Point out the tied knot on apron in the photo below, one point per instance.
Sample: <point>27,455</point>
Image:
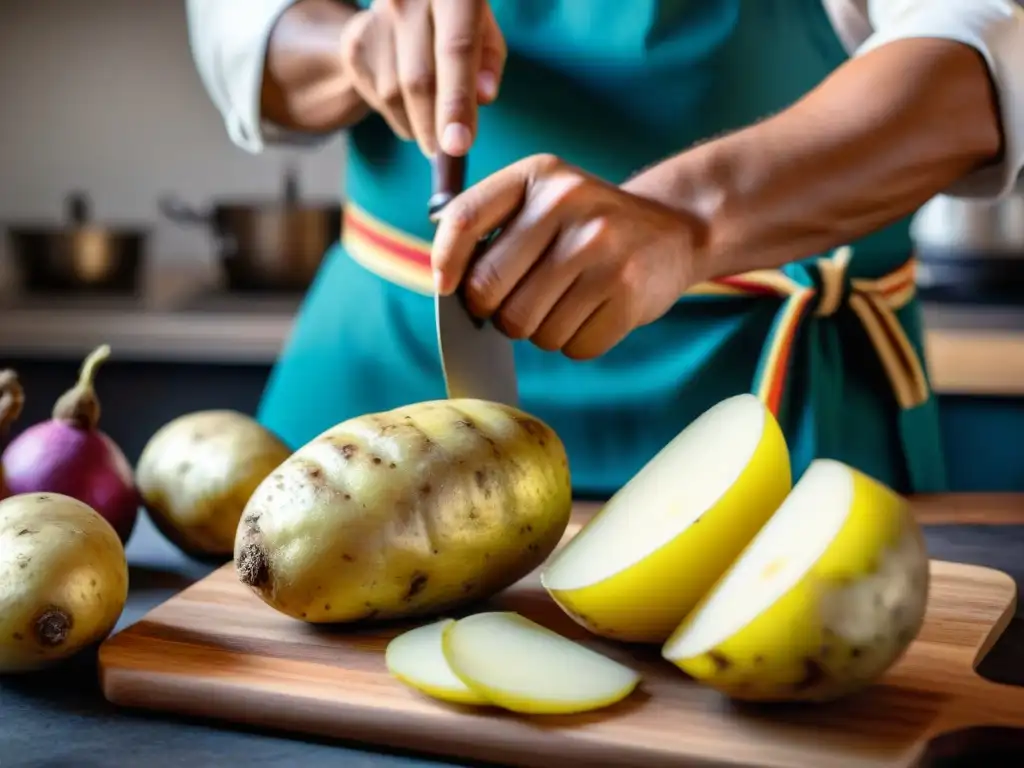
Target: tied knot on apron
<point>821,293</point>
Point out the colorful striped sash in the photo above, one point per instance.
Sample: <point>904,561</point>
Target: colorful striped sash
<point>405,260</point>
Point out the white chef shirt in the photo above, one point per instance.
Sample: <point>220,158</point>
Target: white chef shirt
<point>229,39</point>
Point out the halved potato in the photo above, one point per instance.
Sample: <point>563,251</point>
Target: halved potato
<point>827,597</point>
<point>640,566</point>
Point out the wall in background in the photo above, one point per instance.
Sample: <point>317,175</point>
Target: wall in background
<point>103,96</point>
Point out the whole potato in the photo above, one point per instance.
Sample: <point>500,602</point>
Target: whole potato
<point>406,513</point>
<point>197,472</point>
<point>63,579</point>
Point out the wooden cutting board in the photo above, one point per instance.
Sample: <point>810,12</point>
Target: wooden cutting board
<point>216,651</point>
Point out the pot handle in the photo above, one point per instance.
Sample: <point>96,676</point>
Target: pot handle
<point>291,186</point>
<point>76,207</point>
<point>181,212</point>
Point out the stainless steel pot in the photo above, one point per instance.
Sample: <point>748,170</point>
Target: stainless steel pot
<point>971,251</point>
<point>79,255</point>
<point>266,245</point>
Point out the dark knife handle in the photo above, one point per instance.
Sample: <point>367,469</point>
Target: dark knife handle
<point>449,179</point>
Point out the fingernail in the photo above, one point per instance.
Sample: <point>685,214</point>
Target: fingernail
<point>456,139</point>
<point>487,84</point>
<point>438,281</point>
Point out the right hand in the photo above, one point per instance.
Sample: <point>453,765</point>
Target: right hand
<point>425,65</point>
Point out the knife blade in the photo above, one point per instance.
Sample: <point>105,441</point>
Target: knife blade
<point>478,361</point>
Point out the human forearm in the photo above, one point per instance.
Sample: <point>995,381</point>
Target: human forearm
<point>305,86</point>
<point>886,132</point>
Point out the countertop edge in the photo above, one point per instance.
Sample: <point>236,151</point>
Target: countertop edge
<point>970,351</point>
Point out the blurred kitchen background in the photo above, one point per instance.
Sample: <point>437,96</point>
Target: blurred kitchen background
<point>102,117</point>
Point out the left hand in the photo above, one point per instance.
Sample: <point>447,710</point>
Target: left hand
<point>578,264</point>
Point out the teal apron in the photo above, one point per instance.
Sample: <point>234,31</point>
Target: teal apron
<point>614,87</point>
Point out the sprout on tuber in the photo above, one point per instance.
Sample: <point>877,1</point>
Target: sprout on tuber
<point>70,455</point>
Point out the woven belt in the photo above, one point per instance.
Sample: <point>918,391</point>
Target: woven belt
<point>405,260</point>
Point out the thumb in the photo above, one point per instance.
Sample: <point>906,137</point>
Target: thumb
<point>493,53</point>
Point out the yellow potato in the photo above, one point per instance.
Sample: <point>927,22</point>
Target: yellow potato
<point>523,667</point>
<point>826,598</point>
<point>197,473</point>
<point>416,659</point>
<point>404,513</point>
<point>63,579</point>
<point>641,565</point>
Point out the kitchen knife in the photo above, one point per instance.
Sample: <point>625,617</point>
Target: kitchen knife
<point>477,360</point>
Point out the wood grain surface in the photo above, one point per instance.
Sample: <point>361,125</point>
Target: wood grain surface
<point>216,651</point>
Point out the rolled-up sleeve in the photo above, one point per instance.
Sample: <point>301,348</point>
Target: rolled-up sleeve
<point>228,39</point>
<point>995,28</point>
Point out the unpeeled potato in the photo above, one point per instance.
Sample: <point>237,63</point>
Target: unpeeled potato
<point>63,579</point>
<point>197,473</point>
<point>406,513</point>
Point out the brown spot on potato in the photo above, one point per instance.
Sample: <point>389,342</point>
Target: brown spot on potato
<point>525,529</point>
<point>468,586</point>
<point>392,465</point>
<point>856,652</point>
<point>720,661</point>
<point>347,558</point>
<point>426,488</point>
<point>417,584</point>
<point>465,424</point>
<point>758,659</point>
<point>26,532</point>
<point>377,460</point>
<point>184,468</point>
<point>327,606</point>
<point>252,566</point>
<point>52,625</point>
<point>348,497</point>
<point>18,636</point>
<point>814,675</point>
<point>348,450</point>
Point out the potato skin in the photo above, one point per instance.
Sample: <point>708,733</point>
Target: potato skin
<point>197,472</point>
<point>63,579</point>
<point>406,513</point>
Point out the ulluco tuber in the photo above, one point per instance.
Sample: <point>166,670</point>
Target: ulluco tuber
<point>68,454</point>
<point>12,400</point>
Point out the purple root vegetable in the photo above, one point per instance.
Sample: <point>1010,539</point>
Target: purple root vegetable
<point>70,455</point>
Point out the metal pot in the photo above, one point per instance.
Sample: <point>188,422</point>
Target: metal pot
<point>275,245</point>
<point>79,256</point>
<point>971,251</point>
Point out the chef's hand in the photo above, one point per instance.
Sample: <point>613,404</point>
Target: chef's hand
<point>578,264</point>
<point>424,65</point>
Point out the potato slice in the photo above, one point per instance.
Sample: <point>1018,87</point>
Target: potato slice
<point>524,667</point>
<point>640,566</point>
<point>415,658</point>
<point>826,598</point>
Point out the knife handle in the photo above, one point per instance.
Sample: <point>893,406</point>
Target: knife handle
<point>449,179</point>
